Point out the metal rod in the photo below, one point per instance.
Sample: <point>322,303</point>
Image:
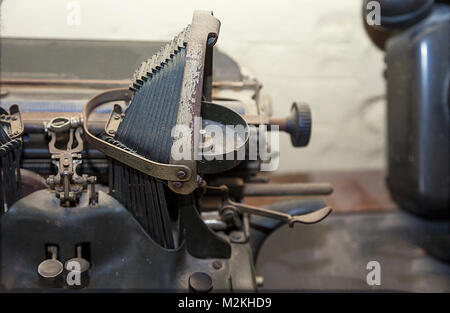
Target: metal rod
<point>34,121</point>
<point>287,189</point>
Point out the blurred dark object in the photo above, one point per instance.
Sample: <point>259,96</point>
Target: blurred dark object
<point>418,115</point>
<point>395,15</point>
<point>415,35</point>
<point>402,13</point>
<point>23,58</point>
<point>332,256</point>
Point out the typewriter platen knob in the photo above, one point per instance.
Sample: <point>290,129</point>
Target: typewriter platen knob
<point>298,124</point>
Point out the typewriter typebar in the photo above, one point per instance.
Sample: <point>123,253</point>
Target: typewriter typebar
<point>166,90</point>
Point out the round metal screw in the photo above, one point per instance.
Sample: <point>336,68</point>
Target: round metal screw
<point>177,184</point>
<point>181,174</point>
<point>111,132</point>
<point>217,264</point>
<point>200,282</point>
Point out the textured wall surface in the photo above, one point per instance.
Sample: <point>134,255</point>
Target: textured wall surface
<point>310,50</point>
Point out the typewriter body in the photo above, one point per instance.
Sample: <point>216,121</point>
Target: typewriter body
<point>112,185</point>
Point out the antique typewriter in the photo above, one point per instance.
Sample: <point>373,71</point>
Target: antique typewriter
<point>141,187</point>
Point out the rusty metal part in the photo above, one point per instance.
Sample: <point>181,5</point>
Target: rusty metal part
<point>227,205</point>
<point>115,118</point>
<point>93,195</point>
<point>67,184</point>
<point>308,218</point>
<point>14,122</point>
<point>66,162</point>
<point>35,122</point>
<point>231,216</point>
<point>204,31</point>
<point>287,189</point>
<point>155,169</point>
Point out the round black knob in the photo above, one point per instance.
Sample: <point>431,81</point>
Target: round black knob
<point>298,124</point>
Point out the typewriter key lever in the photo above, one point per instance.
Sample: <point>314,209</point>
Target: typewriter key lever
<point>50,268</point>
<point>307,218</point>
<point>82,263</point>
<point>311,217</point>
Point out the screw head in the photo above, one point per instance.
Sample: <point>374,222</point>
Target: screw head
<point>200,282</point>
<point>111,132</point>
<point>181,174</point>
<point>177,184</point>
<point>217,264</point>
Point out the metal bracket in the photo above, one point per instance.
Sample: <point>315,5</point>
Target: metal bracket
<point>67,184</point>
<point>168,172</point>
<point>308,218</point>
<point>14,121</point>
<point>114,120</point>
<point>204,32</point>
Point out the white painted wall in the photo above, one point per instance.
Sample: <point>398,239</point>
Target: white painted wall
<point>310,50</point>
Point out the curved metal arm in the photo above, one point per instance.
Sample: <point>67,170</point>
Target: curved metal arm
<point>149,167</point>
<point>261,227</point>
<point>305,218</point>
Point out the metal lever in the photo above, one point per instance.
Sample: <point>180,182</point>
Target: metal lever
<point>308,218</point>
<point>50,268</point>
<point>83,263</point>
